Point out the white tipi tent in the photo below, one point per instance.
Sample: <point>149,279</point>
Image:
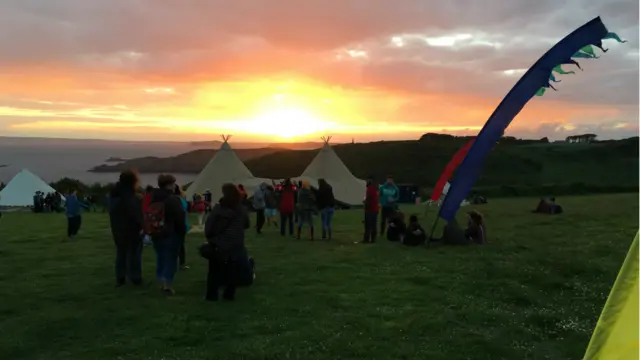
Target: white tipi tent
<point>327,165</point>
<point>20,190</point>
<point>224,167</point>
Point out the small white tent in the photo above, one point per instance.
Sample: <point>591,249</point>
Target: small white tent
<point>224,167</point>
<point>20,190</point>
<point>327,165</point>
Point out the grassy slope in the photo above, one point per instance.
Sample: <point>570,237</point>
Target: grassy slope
<point>508,164</point>
<point>535,292</point>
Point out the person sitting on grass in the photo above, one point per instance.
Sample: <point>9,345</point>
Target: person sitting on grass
<point>548,206</point>
<point>475,228</point>
<point>454,235</point>
<point>397,226</point>
<point>415,234</point>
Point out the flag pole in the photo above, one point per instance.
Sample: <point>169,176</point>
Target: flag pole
<point>433,228</point>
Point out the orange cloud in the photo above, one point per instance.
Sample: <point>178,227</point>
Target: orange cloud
<point>281,70</point>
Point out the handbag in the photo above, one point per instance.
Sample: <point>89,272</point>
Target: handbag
<point>208,250</point>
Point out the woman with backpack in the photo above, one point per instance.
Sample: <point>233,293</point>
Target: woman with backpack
<point>224,230</point>
<point>165,223</point>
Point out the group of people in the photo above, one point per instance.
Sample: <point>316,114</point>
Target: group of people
<point>161,214</point>
<point>298,206</point>
<point>383,200</point>
<point>44,203</point>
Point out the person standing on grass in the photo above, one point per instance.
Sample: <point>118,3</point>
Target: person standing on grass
<point>287,204</point>
<point>271,206</point>
<point>165,222</point>
<point>326,205</point>
<point>389,195</point>
<point>259,204</point>
<point>371,206</point>
<point>146,201</point>
<point>126,219</point>
<point>306,207</point>
<point>224,230</point>
<point>200,207</point>
<point>73,212</point>
<point>296,187</point>
<point>182,254</point>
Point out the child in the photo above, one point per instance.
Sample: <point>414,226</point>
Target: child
<point>415,234</point>
<point>201,207</point>
<point>397,227</point>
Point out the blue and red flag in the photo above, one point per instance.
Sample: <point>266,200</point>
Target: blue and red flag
<point>578,44</point>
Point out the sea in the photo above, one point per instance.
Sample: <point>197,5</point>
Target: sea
<point>54,160</point>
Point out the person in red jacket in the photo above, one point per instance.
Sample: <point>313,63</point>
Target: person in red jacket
<point>371,207</point>
<point>200,206</point>
<point>287,206</point>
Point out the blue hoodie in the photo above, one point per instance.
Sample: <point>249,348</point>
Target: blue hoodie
<point>185,206</point>
<point>74,205</point>
<point>388,191</point>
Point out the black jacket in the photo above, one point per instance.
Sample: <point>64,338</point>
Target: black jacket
<point>125,215</point>
<point>324,197</point>
<point>174,216</point>
<point>225,228</point>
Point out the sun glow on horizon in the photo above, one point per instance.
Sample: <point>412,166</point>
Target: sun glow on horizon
<point>286,123</point>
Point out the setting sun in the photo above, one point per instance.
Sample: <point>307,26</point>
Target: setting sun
<point>287,123</point>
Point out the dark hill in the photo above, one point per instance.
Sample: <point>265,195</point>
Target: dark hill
<point>512,166</point>
<point>190,162</point>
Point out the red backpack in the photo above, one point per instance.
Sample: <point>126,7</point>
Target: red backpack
<point>154,219</point>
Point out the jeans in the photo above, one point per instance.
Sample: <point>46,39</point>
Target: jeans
<point>166,257</point>
<point>370,226</point>
<point>73,225</point>
<point>259,220</point>
<point>129,261</point>
<point>326,215</point>
<point>283,220</point>
<point>305,217</point>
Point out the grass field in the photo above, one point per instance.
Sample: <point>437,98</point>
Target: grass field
<point>535,292</point>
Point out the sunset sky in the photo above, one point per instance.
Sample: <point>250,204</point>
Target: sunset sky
<point>288,70</point>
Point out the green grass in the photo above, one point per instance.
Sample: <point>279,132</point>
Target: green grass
<point>535,292</point>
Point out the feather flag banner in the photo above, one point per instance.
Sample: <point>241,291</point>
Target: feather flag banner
<point>534,82</point>
<point>449,169</point>
<point>616,333</point>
